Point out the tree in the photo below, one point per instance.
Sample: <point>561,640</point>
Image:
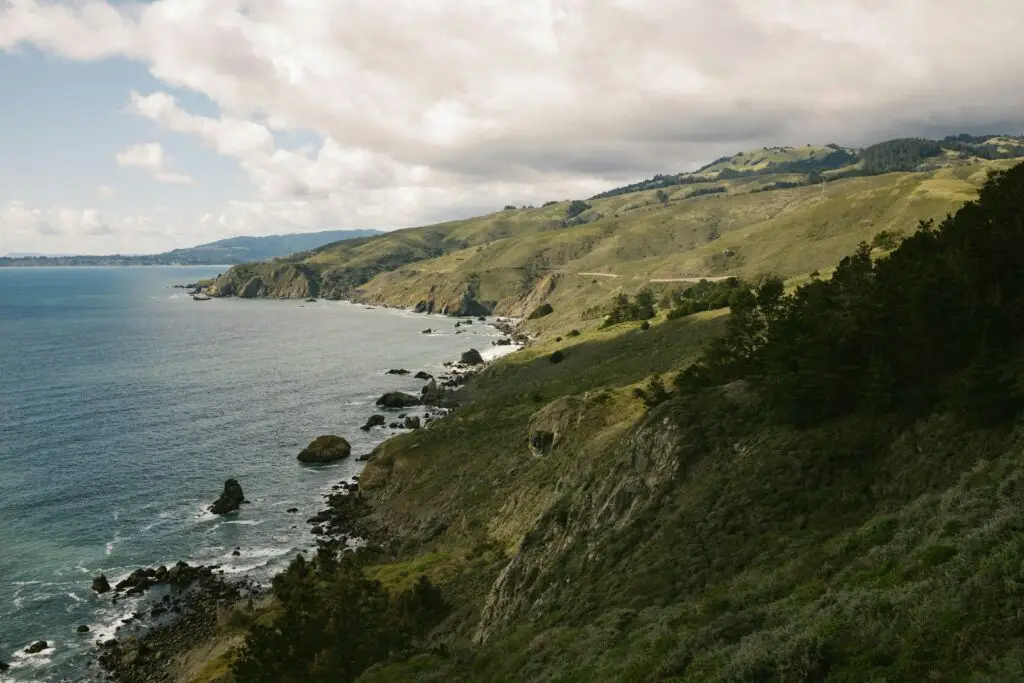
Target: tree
<point>662,197</point>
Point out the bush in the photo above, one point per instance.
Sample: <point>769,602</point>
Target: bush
<point>641,307</point>
<point>334,623</point>
<point>541,311</point>
<point>645,325</point>
<point>557,357</point>
<point>574,333</point>
<point>575,208</point>
<point>703,296</point>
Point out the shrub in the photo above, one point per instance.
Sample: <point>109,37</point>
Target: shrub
<point>557,357</point>
<point>575,208</point>
<point>641,307</point>
<point>541,311</point>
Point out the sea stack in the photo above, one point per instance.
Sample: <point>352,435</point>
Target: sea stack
<point>230,499</point>
<point>327,448</point>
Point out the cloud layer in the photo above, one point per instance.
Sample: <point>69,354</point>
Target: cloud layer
<point>424,110</point>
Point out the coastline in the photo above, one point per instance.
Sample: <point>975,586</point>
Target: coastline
<point>163,641</point>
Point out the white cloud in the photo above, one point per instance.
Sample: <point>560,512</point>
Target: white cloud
<point>151,158</point>
<point>439,109</point>
<point>105,191</point>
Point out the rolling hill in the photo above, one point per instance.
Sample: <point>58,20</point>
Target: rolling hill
<point>779,210</point>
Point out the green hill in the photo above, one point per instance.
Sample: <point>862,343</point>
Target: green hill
<point>232,250</point>
<point>824,484</point>
<point>756,220</point>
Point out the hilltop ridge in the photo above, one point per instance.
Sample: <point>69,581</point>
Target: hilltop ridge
<point>779,209</point>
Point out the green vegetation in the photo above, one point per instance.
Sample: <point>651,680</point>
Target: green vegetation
<point>623,309</point>
<point>935,323</point>
<point>831,491</point>
<point>703,296</point>
<point>332,623</point>
<point>541,311</point>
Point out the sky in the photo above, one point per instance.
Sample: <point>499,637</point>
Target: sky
<point>137,127</point>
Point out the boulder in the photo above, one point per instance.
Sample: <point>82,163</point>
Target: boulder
<point>37,647</point>
<point>100,584</point>
<point>82,629</point>
<point>471,357</point>
<point>373,421</point>
<point>426,331</point>
<point>326,448</point>
<point>292,510</point>
<point>4,666</point>
<point>412,422</point>
<point>230,499</point>
<point>430,393</point>
<point>397,399</point>
<point>397,371</point>
<point>423,375</point>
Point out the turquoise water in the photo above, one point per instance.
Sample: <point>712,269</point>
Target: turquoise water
<point>124,405</point>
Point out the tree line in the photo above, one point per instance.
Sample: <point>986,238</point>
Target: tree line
<point>935,324</point>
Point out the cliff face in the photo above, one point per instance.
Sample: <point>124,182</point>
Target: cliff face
<point>288,281</point>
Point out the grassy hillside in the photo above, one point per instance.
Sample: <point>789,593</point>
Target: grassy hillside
<point>705,536</point>
<point>509,261</point>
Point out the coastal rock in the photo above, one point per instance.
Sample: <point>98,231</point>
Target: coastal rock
<point>326,448</point>
<point>82,629</point>
<point>100,584</point>
<point>4,666</point>
<point>431,395</point>
<point>426,331</point>
<point>230,499</point>
<point>412,422</point>
<point>471,357</point>
<point>292,510</point>
<point>397,371</point>
<point>423,375</point>
<point>37,647</point>
<point>251,289</point>
<point>397,399</point>
<point>373,421</point>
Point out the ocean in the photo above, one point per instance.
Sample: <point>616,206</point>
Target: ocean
<point>124,405</point>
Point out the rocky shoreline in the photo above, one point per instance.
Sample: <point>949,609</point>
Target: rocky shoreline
<point>175,624</point>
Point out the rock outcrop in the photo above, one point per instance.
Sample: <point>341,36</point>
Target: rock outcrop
<point>471,357</point>
<point>373,421</point>
<point>397,399</point>
<point>100,584</point>
<point>230,500</point>
<point>324,449</point>
<point>37,647</point>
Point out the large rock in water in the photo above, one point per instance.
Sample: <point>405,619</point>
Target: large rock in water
<point>230,499</point>
<point>100,584</point>
<point>36,647</point>
<point>327,448</point>
<point>472,357</point>
<point>397,399</point>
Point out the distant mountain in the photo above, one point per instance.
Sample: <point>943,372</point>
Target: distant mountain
<point>222,252</point>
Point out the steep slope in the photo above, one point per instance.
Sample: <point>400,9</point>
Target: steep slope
<point>583,525</point>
